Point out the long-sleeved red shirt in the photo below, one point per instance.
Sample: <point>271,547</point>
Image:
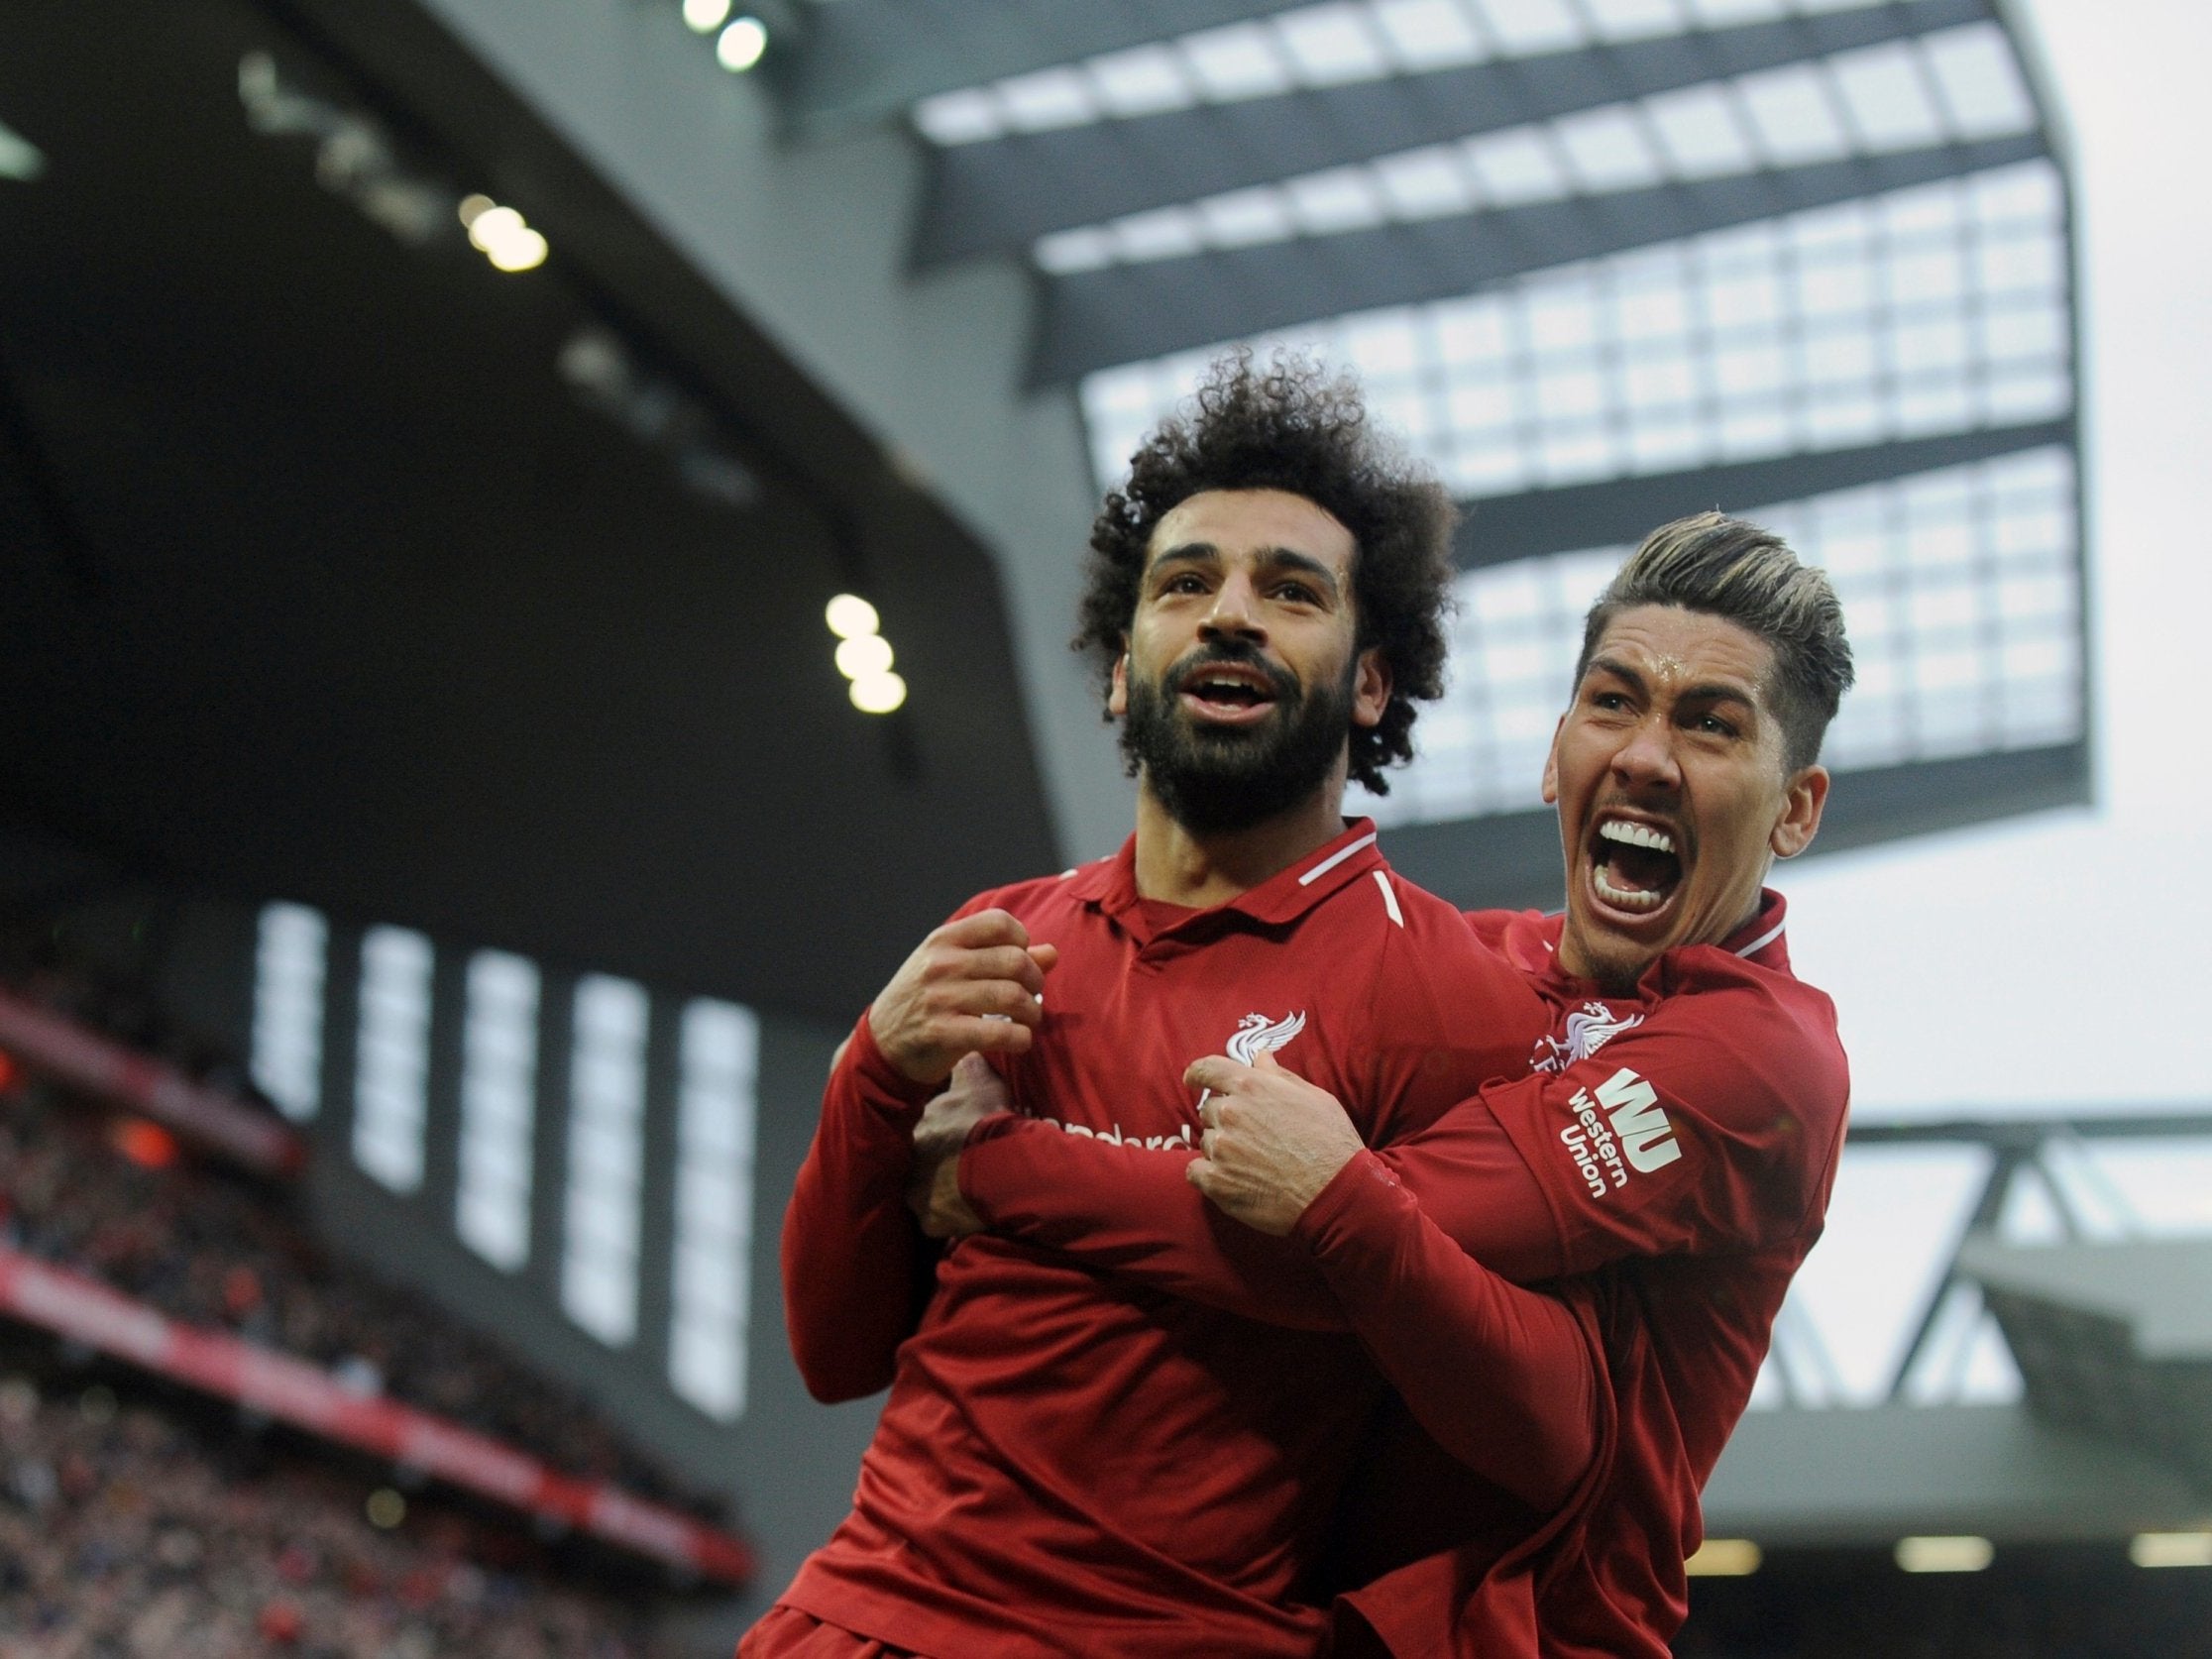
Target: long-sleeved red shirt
<point>1672,1150</point>
<point>1070,1463</point>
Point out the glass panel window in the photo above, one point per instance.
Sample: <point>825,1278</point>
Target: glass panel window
<point>391,1064</point>
<point>499,1107</point>
<point>289,964</point>
<point>606,1121</point>
<point>1959,589</point>
<point>715,1113</point>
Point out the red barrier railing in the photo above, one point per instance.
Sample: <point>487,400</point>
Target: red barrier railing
<point>44,1041</point>
<point>295,1392</point>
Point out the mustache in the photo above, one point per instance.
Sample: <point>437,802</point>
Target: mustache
<point>1233,653</point>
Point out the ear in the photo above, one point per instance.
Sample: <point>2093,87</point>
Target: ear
<point>1117,695</point>
<point>1551,765</point>
<point>1370,691</point>
<point>1802,802</point>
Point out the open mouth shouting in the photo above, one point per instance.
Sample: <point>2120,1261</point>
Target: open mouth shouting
<point>1228,693</point>
<point>1635,869</point>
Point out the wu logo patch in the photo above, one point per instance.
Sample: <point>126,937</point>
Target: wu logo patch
<point>1624,1128</point>
<point>1645,1134</point>
<point>1589,1029</point>
<point>1257,1035</point>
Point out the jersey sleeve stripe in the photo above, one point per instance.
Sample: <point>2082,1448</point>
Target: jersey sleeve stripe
<point>1389,898</point>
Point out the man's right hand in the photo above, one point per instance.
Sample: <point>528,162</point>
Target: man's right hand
<point>973,986</point>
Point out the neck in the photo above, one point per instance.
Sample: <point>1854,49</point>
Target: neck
<point>1179,866</point>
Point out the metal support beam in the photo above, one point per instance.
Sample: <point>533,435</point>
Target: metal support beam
<point>1002,194</point>
<point>1502,528</point>
<point>865,60</point>
<point>1989,1207</point>
<point>1125,314</point>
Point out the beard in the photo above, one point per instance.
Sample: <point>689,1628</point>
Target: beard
<point>1214,780</point>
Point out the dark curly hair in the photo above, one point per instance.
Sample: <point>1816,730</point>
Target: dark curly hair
<point>1287,425</point>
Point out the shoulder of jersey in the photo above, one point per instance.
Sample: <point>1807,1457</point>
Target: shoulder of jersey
<point>1036,893</point>
<point>1415,909</point>
<point>1766,1012</point>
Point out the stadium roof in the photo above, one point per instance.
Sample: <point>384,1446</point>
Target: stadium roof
<point>1604,262</point>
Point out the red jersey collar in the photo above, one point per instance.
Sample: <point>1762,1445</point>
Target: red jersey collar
<point>1761,941</point>
<point>1111,883</point>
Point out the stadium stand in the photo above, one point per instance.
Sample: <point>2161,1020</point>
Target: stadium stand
<point>136,1525</point>
<point>124,1239</point>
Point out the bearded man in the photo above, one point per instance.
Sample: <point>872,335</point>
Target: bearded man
<point>1072,1465</point>
<point>1665,1151</point>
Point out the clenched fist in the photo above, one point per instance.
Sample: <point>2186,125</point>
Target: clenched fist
<point>973,986</point>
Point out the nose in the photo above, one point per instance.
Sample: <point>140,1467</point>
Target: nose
<point>1647,760</point>
<point>1235,611</point>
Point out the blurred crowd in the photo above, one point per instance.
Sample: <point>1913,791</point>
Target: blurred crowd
<point>115,1199</point>
<point>126,1533</point>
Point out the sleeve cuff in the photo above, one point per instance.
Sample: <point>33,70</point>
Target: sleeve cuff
<point>1354,1191</point>
<point>883,1085</point>
<point>975,1162</point>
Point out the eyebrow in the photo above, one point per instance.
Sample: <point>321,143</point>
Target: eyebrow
<point>1270,557</point>
<point>1711,691</point>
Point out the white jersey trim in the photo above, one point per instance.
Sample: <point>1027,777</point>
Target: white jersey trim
<point>1389,898</point>
<point>1763,941</point>
<point>1335,859</point>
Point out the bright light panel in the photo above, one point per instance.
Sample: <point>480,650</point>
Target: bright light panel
<point>1944,1555</point>
<point>606,1156</point>
<point>850,616</point>
<point>863,656</point>
<point>741,44</point>
<point>526,249</point>
<point>878,694</point>
<point>503,236</point>
<point>1724,1558</point>
<point>499,1107</point>
<point>288,1008</point>
<point>391,1069</point>
<point>2171,1549</point>
<point>712,1269</point>
<point>706,16</point>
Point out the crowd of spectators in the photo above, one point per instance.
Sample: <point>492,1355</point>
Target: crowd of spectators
<point>115,1199</point>
<point>128,1529</point>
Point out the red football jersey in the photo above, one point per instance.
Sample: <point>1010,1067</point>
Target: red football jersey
<point>1069,1463</point>
<point>1672,1150</point>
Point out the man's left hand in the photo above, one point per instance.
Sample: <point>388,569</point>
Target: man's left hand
<point>1273,1141</point>
<point>934,1186</point>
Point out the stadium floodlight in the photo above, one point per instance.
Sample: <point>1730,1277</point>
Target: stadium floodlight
<point>878,694</point>
<point>864,657</point>
<point>502,237</point>
<point>850,616</point>
<point>2171,1549</point>
<point>1944,1555</point>
<point>740,45</point>
<point>1724,1558</point>
<point>704,17</point>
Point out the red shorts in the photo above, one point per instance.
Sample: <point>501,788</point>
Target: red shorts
<point>787,1634</point>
